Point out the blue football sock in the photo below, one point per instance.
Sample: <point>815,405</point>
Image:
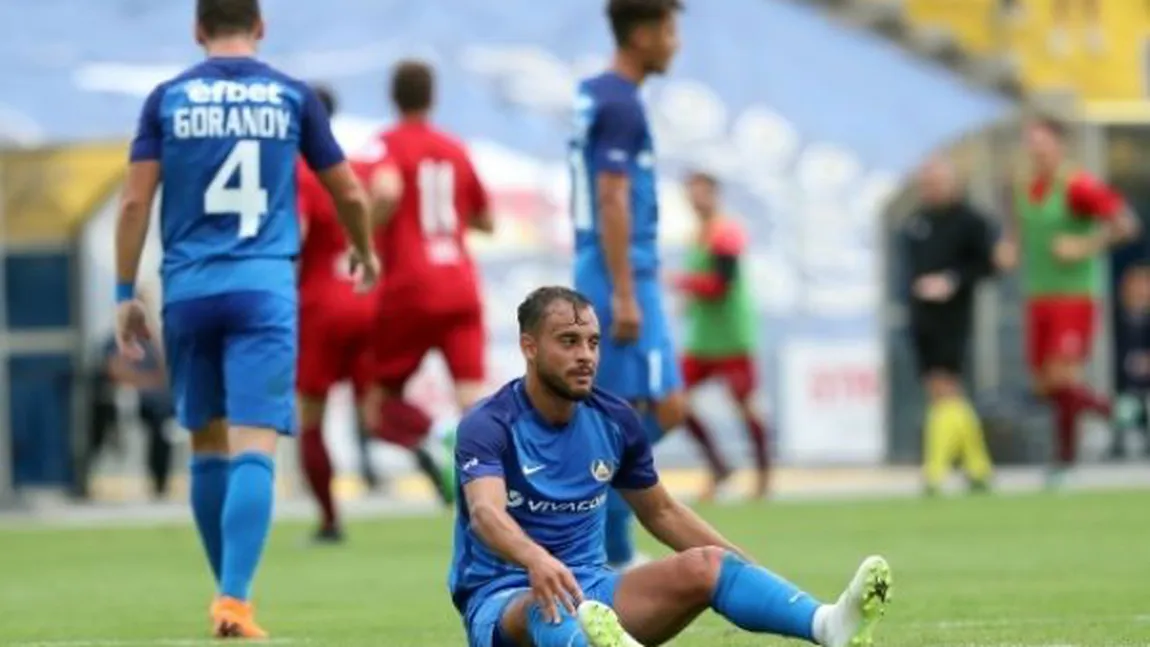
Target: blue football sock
<point>757,600</point>
<point>209,485</point>
<point>246,521</point>
<point>618,539</point>
<point>544,633</point>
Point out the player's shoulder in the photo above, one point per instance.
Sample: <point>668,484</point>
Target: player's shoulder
<point>728,238</point>
<point>260,69</point>
<point>609,87</point>
<point>616,409</point>
<point>423,132</point>
<point>1079,179</point>
<point>497,411</point>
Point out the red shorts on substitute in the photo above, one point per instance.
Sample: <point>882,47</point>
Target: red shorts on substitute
<point>738,372</point>
<point>335,345</point>
<point>1059,328</point>
<point>403,337</point>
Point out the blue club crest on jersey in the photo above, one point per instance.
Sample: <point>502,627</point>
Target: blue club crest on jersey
<point>601,470</point>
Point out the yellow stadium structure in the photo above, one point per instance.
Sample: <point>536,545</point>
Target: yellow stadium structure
<point>1098,48</point>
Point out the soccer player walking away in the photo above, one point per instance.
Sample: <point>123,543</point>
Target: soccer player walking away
<point>426,196</point>
<point>536,461</point>
<point>947,248</point>
<point>721,328</point>
<point>616,216</point>
<point>1065,220</point>
<point>336,324</point>
<point>224,136</point>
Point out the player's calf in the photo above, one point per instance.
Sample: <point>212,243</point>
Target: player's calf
<point>525,622</point>
<point>658,601</point>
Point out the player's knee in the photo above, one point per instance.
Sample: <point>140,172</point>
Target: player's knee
<point>698,571</point>
<point>746,407</point>
<point>672,411</point>
<point>246,440</point>
<point>212,439</point>
<point>1060,372</point>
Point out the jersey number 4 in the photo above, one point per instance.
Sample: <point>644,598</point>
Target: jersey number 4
<point>247,198</point>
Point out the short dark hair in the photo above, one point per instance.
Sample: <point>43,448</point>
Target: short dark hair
<point>626,15</point>
<point>326,98</point>
<point>412,86</point>
<point>227,17</point>
<point>534,308</point>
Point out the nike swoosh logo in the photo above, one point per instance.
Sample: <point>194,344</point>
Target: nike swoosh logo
<point>795,598</point>
<point>528,471</point>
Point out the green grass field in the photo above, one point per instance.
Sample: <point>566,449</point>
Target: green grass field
<point>1024,570</point>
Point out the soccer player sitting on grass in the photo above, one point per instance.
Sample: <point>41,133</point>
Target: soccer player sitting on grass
<point>535,461</point>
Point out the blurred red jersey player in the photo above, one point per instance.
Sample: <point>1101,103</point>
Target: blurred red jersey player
<point>426,196</point>
<point>336,325</point>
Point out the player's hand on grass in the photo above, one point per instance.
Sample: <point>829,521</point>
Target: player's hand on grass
<point>937,287</point>
<point>626,317</point>
<point>552,584</point>
<point>365,269</point>
<point>132,329</point>
<point>1070,249</point>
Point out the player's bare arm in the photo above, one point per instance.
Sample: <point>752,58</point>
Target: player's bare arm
<point>614,195</point>
<point>550,579</point>
<point>386,190</point>
<point>352,208</point>
<point>1123,228</point>
<point>672,523</point>
<point>131,232</point>
<point>1119,228</point>
<point>135,213</point>
<point>482,221</point>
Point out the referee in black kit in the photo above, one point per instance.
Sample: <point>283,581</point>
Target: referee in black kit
<point>948,249</point>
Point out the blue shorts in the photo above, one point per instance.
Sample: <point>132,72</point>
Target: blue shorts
<point>646,369</point>
<point>233,356</point>
<point>486,608</point>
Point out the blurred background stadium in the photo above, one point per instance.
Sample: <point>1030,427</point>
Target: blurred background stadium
<point>813,113</point>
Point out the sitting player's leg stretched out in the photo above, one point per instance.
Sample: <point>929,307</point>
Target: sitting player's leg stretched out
<point>536,461</point>
<point>231,309</point>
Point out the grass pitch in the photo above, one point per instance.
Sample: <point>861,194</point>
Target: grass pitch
<point>1034,570</point>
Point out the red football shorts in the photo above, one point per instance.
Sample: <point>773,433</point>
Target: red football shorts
<point>738,373</point>
<point>335,345</point>
<point>1058,328</point>
<point>403,337</point>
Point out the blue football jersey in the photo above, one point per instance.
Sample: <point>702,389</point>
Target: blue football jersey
<point>556,477</point>
<point>612,135</point>
<point>227,134</point>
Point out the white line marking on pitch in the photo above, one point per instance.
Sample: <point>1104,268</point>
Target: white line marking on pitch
<point>164,642</point>
<point>975,623</point>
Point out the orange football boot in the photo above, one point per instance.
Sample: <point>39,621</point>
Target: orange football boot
<point>232,618</point>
